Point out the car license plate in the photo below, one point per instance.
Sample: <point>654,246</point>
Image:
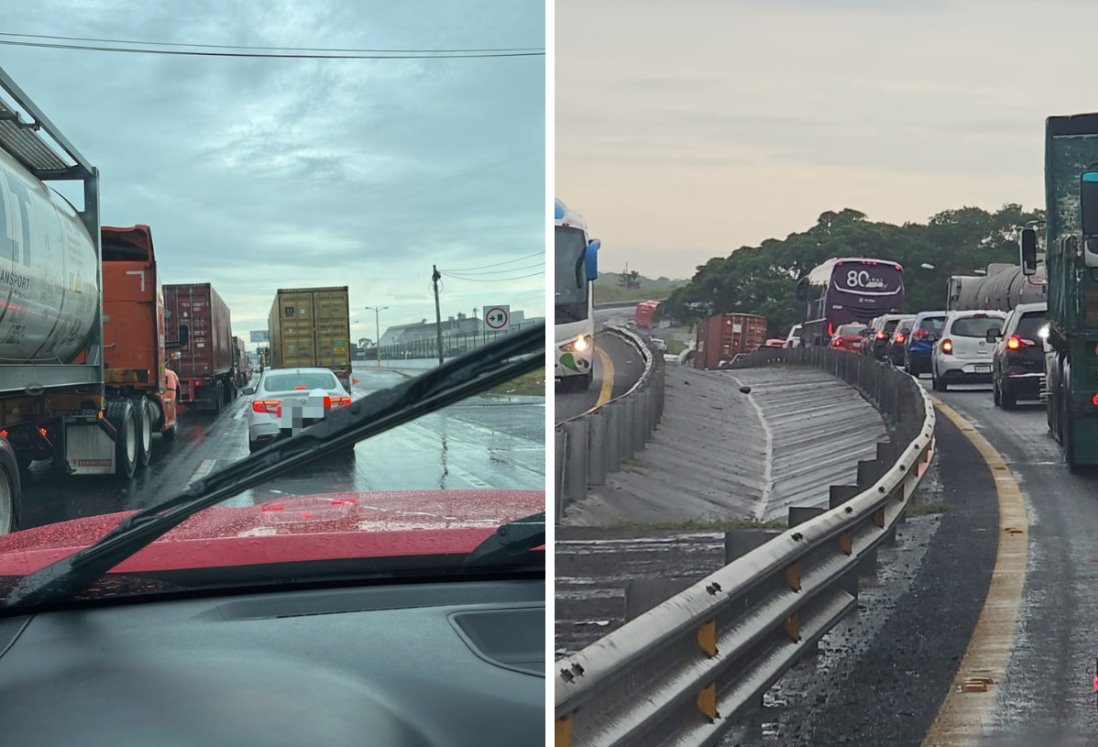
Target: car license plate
<point>983,368</point>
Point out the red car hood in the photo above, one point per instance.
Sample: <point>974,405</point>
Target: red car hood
<point>298,528</point>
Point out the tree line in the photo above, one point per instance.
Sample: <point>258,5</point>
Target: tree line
<point>763,279</point>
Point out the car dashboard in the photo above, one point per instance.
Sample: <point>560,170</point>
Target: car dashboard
<point>416,665</point>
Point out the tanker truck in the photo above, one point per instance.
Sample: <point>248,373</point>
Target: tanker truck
<point>54,398</point>
<point>1001,289</point>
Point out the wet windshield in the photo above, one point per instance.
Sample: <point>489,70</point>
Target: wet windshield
<point>571,288</point>
<point>367,215</point>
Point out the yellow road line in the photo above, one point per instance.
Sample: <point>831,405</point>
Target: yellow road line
<point>966,712</point>
<point>607,390</point>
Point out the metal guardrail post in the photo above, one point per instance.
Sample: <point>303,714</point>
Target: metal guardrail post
<point>597,448</point>
<point>575,478</point>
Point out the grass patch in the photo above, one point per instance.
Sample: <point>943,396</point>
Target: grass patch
<point>605,293</point>
<point>707,525</point>
<point>532,383</point>
<point>925,508</point>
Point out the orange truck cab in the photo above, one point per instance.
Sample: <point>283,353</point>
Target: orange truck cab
<point>135,351</point>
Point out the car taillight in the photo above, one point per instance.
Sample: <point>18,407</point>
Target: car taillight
<point>1014,342</point>
<point>838,343</point>
<point>899,337</point>
<point>333,402</point>
<point>271,406</point>
<point>919,334</point>
<point>880,334</point>
<point>947,346</point>
<point>300,387</point>
<point>1094,399</point>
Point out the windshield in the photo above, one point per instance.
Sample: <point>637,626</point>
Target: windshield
<point>572,289</point>
<point>364,220</point>
<point>284,382</point>
<point>932,323</point>
<point>851,330</point>
<point>1029,326</point>
<point>974,326</point>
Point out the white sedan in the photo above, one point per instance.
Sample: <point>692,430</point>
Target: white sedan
<point>290,399</point>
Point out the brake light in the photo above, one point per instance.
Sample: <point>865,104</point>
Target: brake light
<point>880,334</point>
<point>1014,342</point>
<point>899,337</point>
<point>3,434</point>
<point>838,343</point>
<point>830,329</point>
<point>300,387</point>
<point>334,402</point>
<point>947,346</point>
<point>270,406</point>
<point>1094,399</point>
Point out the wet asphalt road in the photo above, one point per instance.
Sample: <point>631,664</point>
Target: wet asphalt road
<point>628,366</point>
<point>482,442</point>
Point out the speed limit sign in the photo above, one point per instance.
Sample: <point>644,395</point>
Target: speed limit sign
<point>497,318</point>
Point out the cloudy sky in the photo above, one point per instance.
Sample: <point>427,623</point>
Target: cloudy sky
<point>256,174</point>
<point>686,130</point>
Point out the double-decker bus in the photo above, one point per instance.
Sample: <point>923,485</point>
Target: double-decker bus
<point>576,267</point>
<point>847,291</point>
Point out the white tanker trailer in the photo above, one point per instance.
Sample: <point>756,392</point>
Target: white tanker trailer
<point>53,400</point>
<point>1001,289</point>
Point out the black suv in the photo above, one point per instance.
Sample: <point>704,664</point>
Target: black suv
<point>1018,361</point>
<point>895,349</point>
<point>880,334</point>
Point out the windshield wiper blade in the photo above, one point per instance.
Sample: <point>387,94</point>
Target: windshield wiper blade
<point>471,374</point>
<point>510,541</point>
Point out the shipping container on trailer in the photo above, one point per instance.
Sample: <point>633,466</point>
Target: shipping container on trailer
<point>205,364</point>
<point>311,327</point>
<point>645,314</point>
<point>242,367</point>
<point>722,337</point>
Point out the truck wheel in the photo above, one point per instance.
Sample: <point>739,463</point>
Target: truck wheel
<point>9,489</point>
<point>120,414</point>
<point>144,417</point>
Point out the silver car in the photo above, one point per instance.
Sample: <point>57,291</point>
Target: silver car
<point>289,399</point>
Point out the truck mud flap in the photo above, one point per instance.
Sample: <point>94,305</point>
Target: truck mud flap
<point>89,446</point>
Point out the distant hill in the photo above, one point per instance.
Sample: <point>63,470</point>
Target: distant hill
<point>609,287</point>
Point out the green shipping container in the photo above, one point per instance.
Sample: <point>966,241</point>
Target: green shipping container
<point>310,327</point>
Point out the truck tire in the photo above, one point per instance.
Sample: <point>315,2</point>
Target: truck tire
<point>120,414</point>
<point>9,489</point>
<point>145,417</point>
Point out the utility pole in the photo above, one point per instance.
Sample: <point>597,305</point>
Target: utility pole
<point>377,329</point>
<point>435,277</point>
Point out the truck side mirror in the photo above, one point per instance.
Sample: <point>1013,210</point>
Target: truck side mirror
<point>1028,245</point>
<point>1088,213</point>
<point>591,259</point>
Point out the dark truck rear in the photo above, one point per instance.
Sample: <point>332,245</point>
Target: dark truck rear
<point>205,363</point>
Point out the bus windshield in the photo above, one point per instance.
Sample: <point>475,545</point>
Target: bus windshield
<point>572,289</point>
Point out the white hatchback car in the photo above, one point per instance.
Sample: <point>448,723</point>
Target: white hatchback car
<point>289,399</point>
<point>962,354</point>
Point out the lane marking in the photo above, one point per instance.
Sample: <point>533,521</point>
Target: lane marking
<point>607,390</point>
<point>768,468</point>
<point>203,469</point>
<point>242,413</point>
<point>966,713</point>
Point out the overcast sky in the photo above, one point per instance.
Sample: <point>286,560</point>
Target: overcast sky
<point>256,174</point>
<point>686,130</point>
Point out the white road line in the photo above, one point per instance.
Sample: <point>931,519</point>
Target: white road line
<point>204,468</point>
<point>240,414</point>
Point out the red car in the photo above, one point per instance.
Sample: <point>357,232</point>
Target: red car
<point>850,337</point>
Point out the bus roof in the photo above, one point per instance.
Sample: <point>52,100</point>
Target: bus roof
<point>566,216</point>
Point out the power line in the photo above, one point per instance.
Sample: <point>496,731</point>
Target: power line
<point>253,48</point>
<point>495,272</point>
<point>497,264</point>
<point>436,55</point>
<point>495,280</point>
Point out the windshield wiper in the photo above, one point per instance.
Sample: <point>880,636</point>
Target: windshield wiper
<point>512,540</point>
<point>471,374</point>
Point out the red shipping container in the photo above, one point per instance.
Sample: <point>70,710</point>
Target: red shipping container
<point>722,337</point>
<point>205,363</point>
<point>644,313</point>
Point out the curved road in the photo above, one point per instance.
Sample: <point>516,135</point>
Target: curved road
<point>617,367</point>
<point>481,442</point>
<point>883,673</point>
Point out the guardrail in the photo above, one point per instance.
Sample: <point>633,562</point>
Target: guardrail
<point>681,672</point>
<point>593,444</point>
